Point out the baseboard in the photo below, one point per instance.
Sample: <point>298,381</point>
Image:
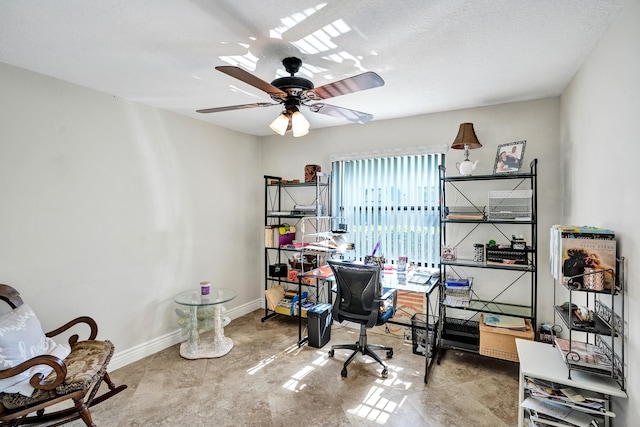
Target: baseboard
<point>125,357</point>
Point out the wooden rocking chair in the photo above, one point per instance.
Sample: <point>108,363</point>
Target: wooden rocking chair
<point>77,377</point>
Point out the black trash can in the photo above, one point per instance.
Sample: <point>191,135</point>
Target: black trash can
<point>319,323</point>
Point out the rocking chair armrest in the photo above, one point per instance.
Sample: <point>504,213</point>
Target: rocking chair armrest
<point>74,338</point>
<point>58,366</point>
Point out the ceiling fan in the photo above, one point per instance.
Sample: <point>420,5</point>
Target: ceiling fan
<point>293,92</point>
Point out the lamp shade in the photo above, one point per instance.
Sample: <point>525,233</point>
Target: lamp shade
<point>299,124</point>
<point>280,124</point>
<point>466,136</point>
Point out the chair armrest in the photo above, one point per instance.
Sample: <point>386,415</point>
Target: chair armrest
<point>74,338</point>
<point>58,366</point>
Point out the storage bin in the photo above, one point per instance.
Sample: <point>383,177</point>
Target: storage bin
<point>501,342</point>
<point>498,255</point>
<point>278,270</point>
<point>510,205</point>
<point>419,332</point>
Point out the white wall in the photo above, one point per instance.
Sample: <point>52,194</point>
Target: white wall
<point>109,208</point>
<point>537,122</point>
<point>600,152</point>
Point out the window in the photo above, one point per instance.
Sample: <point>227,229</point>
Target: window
<point>393,201</point>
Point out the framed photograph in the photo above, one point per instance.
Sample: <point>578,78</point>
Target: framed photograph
<point>509,157</point>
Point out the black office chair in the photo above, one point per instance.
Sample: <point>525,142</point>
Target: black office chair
<point>359,300</point>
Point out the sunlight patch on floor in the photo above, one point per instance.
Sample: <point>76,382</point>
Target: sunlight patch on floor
<point>375,407</point>
<point>294,383</point>
<point>261,364</point>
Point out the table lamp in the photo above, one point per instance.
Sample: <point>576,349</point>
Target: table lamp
<point>466,140</point>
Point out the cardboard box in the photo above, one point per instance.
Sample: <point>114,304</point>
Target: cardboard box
<point>501,342</point>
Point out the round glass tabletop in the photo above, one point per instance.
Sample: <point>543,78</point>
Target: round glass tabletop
<point>193,297</point>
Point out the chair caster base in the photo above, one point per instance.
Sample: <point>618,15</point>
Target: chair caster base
<point>343,373</point>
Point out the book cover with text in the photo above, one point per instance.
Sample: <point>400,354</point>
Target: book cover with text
<point>589,253</point>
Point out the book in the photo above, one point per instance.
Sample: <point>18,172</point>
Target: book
<point>295,245</point>
<point>583,257</point>
<point>467,216</point>
<point>583,354</point>
<point>502,321</point>
<point>582,254</point>
<point>268,236</point>
<point>465,212</point>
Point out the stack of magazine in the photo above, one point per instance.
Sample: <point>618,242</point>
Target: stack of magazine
<point>551,404</point>
<point>576,251</point>
<point>583,354</point>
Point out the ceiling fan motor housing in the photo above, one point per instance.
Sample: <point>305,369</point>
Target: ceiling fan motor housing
<point>292,85</point>
<point>284,83</point>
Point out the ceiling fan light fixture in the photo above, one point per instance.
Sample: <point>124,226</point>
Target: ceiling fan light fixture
<point>280,124</point>
<point>299,124</point>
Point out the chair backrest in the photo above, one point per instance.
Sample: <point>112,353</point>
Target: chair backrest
<point>358,287</point>
<point>10,296</point>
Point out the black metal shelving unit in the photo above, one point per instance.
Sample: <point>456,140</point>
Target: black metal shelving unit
<point>281,198</point>
<point>462,333</point>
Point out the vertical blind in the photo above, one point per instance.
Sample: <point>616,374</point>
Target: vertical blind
<point>393,201</point>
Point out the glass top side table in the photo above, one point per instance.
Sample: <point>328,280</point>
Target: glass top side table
<point>203,313</point>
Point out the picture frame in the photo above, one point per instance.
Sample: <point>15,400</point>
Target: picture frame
<point>509,157</point>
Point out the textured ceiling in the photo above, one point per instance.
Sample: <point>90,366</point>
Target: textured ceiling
<point>433,55</point>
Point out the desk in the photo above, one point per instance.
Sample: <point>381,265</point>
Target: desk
<point>389,280</point>
<point>543,361</point>
<point>204,313</point>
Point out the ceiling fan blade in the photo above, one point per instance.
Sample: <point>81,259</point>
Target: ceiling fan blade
<point>252,80</point>
<point>341,112</point>
<point>235,107</point>
<point>363,81</point>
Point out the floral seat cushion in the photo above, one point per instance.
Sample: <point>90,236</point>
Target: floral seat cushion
<point>86,364</point>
